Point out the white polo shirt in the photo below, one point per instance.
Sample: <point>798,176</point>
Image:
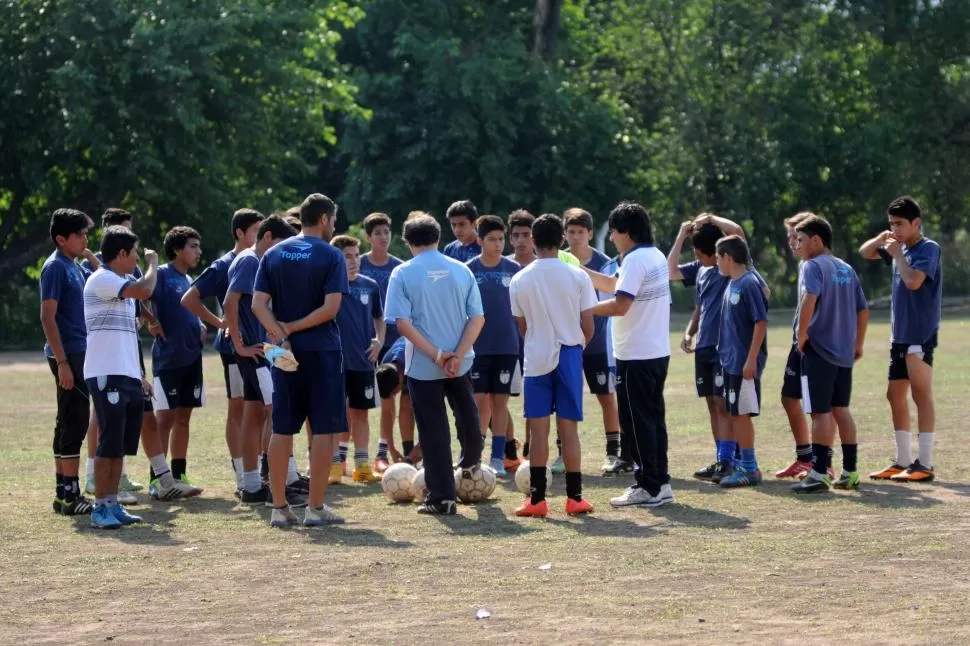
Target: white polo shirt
<point>112,328</point>
<point>644,332</point>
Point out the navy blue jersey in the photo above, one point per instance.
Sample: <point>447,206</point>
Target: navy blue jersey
<point>743,306</point>
<point>462,252</point>
<point>709,284</point>
<point>597,345</point>
<point>382,274</point>
<point>62,280</point>
<point>500,335</point>
<point>916,313</point>
<point>182,344</point>
<point>242,278</point>
<point>358,309</point>
<point>214,281</point>
<point>832,328</point>
<point>395,354</point>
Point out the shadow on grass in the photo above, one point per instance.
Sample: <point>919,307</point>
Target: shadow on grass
<point>155,531</point>
<point>599,525</point>
<point>488,519</point>
<point>884,496</point>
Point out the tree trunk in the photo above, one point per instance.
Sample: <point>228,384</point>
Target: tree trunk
<point>545,27</point>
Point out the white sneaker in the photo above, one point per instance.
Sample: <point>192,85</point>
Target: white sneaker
<point>89,485</point>
<point>322,516</point>
<point>666,494</point>
<point>178,489</point>
<point>283,517</point>
<point>126,498</point>
<point>637,496</point>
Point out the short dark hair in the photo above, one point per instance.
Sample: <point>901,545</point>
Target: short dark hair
<point>115,240</point>
<point>375,220</point>
<point>521,218</point>
<point>816,225</point>
<point>177,238</point>
<point>462,209</point>
<point>735,247</point>
<point>488,223</point>
<point>421,230</point>
<point>278,227</point>
<point>343,241</point>
<point>294,221</point>
<point>905,207</point>
<point>547,231</point>
<point>632,219</point>
<point>794,220</point>
<point>64,222</point>
<point>315,207</point>
<point>578,217</point>
<point>388,378</point>
<point>705,239</point>
<point>114,216</point>
<point>243,219</point>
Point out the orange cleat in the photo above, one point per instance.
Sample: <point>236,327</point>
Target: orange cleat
<point>511,465</point>
<point>577,507</point>
<point>538,510</point>
<point>915,473</point>
<point>888,472</point>
<point>794,469</point>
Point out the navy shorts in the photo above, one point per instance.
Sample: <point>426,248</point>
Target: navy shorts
<point>180,387</point>
<point>257,379</point>
<point>824,385</point>
<point>791,384</point>
<point>119,405</point>
<point>600,378</point>
<point>361,389</point>
<point>742,396</point>
<point>708,376</point>
<point>560,391</point>
<point>313,393</point>
<point>897,357</point>
<point>492,374</point>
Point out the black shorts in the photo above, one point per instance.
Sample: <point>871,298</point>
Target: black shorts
<point>257,379</point>
<point>73,409</point>
<point>230,372</point>
<point>600,378</point>
<point>824,385</point>
<point>180,387</point>
<point>492,374</point>
<point>791,383</point>
<point>742,396</point>
<point>361,389</point>
<point>313,393</point>
<point>898,352</point>
<point>149,407</point>
<point>119,406</point>
<point>708,375</point>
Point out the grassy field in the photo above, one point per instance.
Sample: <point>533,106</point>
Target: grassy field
<point>887,563</point>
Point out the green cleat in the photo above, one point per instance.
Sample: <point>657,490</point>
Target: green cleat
<point>127,484</point>
<point>848,480</point>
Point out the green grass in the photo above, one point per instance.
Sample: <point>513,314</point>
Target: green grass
<point>750,566</point>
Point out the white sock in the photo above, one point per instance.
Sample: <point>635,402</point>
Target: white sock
<point>308,463</point>
<point>926,449</point>
<point>162,472</point>
<point>251,481</point>
<point>292,475</point>
<point>237,470</point>
<point>90,468</point>
<point>124,466</point>
<point>904,448</point>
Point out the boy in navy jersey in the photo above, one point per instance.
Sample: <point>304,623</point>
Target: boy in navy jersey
<point>916,311</point>
<point>361,324</point>
<point>832,320</point>
<point>378,264</point>
<point>305,279</point>
<point>461,216</point>
<point>390,382</point>
<point>497,347</point>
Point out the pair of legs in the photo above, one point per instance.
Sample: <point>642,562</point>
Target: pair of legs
<point>70,428</point>
<point>642,408</point>
<point>911,375</point>
<point>600,378</point>
<point>177,392</point>
<point>235,430</point>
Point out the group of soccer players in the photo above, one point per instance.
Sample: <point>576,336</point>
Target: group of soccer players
<point>467,327</point>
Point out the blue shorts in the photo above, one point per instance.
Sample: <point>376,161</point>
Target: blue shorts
<point>119,404</point>
<point>560,391</point>
<point>314,393</point>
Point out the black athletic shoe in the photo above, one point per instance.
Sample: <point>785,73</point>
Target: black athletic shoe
<point>302,485</point>
<point>620,466</point>
<point>440,508</point>
<point>707,472</point>
<point>294,499</point>
<point>80,506</point>
<point>259,496</point>
<point>57,505</point>
<point>721,471</point>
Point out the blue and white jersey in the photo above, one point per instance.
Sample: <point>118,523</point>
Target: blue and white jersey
<point>112,328</point>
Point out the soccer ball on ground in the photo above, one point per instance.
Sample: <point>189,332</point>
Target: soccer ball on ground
<point>523,477</point>
<point>418,488</point>
<point>396,482</point>
<point>477,486</point>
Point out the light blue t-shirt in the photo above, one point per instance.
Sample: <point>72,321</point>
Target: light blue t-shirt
<point>438,295</point>
<point>832,328</point>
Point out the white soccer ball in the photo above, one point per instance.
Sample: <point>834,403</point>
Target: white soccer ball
<point>396,482</point>
<point>523,477</point>
<point>478,486</point>
<point>418,488</point>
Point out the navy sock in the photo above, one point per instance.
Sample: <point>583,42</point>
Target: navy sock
<point>822,459</point>
<point>574,485</point>
<point>263,467</point>
<point>748,460</point>
<point>408,446</point>
<point>72,490</point>
<point>498,447</point>
<point>178,468</point>
<point>726,452</point>
<point>803,452</point>
<point>538,480</point>
<point>525,450</point>
<point>612,443</point>
<point>510,450</point>
<point>59,489</point>
<point>381,450</point>
<point>850,454</point>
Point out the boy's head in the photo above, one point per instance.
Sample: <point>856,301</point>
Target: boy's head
<point>547,232</point>
<point>115,217</point>
<point>732,252</point>
<point>705,240</point>
<point>790,224</point>
<point>119,249</point>
<point>905,219</point>
<point>245,225</point>
<point>579,228</point>
<point>390,380</point>
<point>349,246</point>
<point>814,236</point>
<point>377,226</point>
<point>69,231</point>
<point>294,221</point>
<point>491,235</point>
<point>183,244</point>
<point>319,210</point>
<point>461,216</point>
<point>271,231</point>
<point>520,232</point>
<point>629,226</point>
<point>421,230</point>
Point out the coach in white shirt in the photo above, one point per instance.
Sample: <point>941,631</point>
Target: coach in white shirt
<point>640,332</point>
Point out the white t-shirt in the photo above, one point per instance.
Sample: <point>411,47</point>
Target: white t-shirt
<point>550,295</point>
<point>112,328</point>
<point>644,332</point>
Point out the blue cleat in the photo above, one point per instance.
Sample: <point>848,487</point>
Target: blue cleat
<point>102,518</point>
<point>741,478</point>
<point>123,517</point>
<point>498,466</point>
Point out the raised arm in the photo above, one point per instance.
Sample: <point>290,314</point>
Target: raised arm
<point>602,282</point>
<point>728,227</point>
<point>673,258</point>
<point>870,248</point>
<point>143,288</point>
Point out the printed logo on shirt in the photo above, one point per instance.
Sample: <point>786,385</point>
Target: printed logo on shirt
<point>504,376</point>
<point>735,296</point>
<point>302,252</point>
<point>842,276</point>
<point>439,274</point>
<point>364,298</point>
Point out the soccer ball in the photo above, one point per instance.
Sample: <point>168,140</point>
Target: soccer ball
<point>396,482</point>
<point>418,489</point>
<point>523,477</point>
<point>477,487</point>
